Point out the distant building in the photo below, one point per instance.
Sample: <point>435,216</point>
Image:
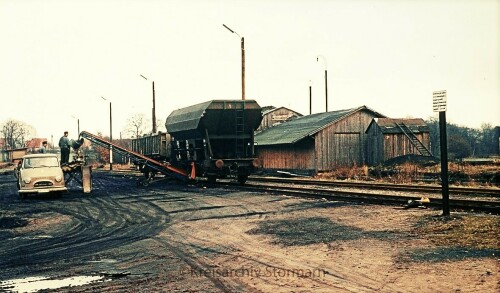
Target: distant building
<point>34,144</point>
<point>388,138</point>
<point>318,142</point>
<point>7,154</point>
<point>272,116</point>
<point>12,155</point>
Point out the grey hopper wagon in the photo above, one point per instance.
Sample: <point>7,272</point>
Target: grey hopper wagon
<point>215,139</point>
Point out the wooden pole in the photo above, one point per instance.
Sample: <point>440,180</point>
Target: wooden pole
<point>444,163</point>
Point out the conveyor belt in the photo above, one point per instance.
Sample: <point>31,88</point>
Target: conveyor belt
<point>166,169</point>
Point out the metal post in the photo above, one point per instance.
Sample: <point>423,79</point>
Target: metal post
<point>326,79</point>
<point>110,138</point>
<point>310,99</point>
<point>242,68</point>
<point>78,121</point>
<point>154,109</point>
<point>444,163</point>
<point>242,61</point>
<point>326,89</point>
<point>153,116</point>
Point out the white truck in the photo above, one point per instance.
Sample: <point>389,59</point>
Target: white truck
<point>40,174</point>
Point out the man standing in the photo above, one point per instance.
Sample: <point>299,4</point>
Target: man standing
<point>64,145</point>
<point>43,149</point>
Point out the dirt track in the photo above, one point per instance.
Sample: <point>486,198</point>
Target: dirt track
<point>174,237</point>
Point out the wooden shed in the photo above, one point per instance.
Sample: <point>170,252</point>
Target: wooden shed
<point>318,142</point>
<point>272,116</point>
<point>388,138</point>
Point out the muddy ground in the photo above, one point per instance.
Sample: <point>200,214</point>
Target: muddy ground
<point>193,238</point>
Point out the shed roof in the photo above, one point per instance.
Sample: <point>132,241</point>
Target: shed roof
<point>268,109</point>
<point>297,129</point>
<point>389,125</point>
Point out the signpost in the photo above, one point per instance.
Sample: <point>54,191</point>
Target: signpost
<point>439,105</point>
<point>439,101</point>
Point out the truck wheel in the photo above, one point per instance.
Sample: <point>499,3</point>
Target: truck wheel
<point>242,179</point>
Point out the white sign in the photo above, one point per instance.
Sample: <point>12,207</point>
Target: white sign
<point>439,101</point>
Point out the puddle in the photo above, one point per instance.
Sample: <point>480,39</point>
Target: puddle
<point>104,260</point>
<point>33,284</point>
<point>32,237</point>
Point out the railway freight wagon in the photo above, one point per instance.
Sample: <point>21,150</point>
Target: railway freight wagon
<point>155,146</point>
<point>215,139</point>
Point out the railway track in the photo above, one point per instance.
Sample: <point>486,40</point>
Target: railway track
<point>320,192</point>
<point>494,192</point>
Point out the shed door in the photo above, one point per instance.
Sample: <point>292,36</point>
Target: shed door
<point>348,149</point>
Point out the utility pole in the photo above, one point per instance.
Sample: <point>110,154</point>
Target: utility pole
<point>242,62</point>
<point>154,109</point>
<point>154,105</point>
<point>110,135</point>
<point>326,80</point>
<point>310,98</point>
<point>110,138</point>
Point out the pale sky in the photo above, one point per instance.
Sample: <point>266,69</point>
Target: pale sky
<point>57,58</point>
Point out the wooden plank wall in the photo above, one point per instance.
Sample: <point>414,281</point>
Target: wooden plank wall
<point>275,117</point>
<point>374,146</point>
<point>297,156</point>
<point>381,147</point>
<point>343,143</point>
<point>398,144</point>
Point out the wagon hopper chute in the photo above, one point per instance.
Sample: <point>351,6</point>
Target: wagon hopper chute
<point>215,138</point>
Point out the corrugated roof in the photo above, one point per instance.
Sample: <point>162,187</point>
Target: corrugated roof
<point>388,125</point>
<point>299,128</point>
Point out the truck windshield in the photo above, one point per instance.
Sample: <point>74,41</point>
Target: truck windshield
<point>41,162</point>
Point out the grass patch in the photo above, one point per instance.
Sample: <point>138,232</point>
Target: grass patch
<point>450,254</point>
<point>476,231</point>
<point>457,237</point>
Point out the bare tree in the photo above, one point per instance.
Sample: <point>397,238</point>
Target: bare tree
<point>136,125</point>
<point>160,125</point>
<point>16,133</point>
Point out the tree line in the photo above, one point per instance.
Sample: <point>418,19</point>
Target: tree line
<point>465,142</point>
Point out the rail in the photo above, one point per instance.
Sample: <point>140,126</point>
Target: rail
<point>493,192</point>
<point>372,198</point>
<point>165,169</point>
